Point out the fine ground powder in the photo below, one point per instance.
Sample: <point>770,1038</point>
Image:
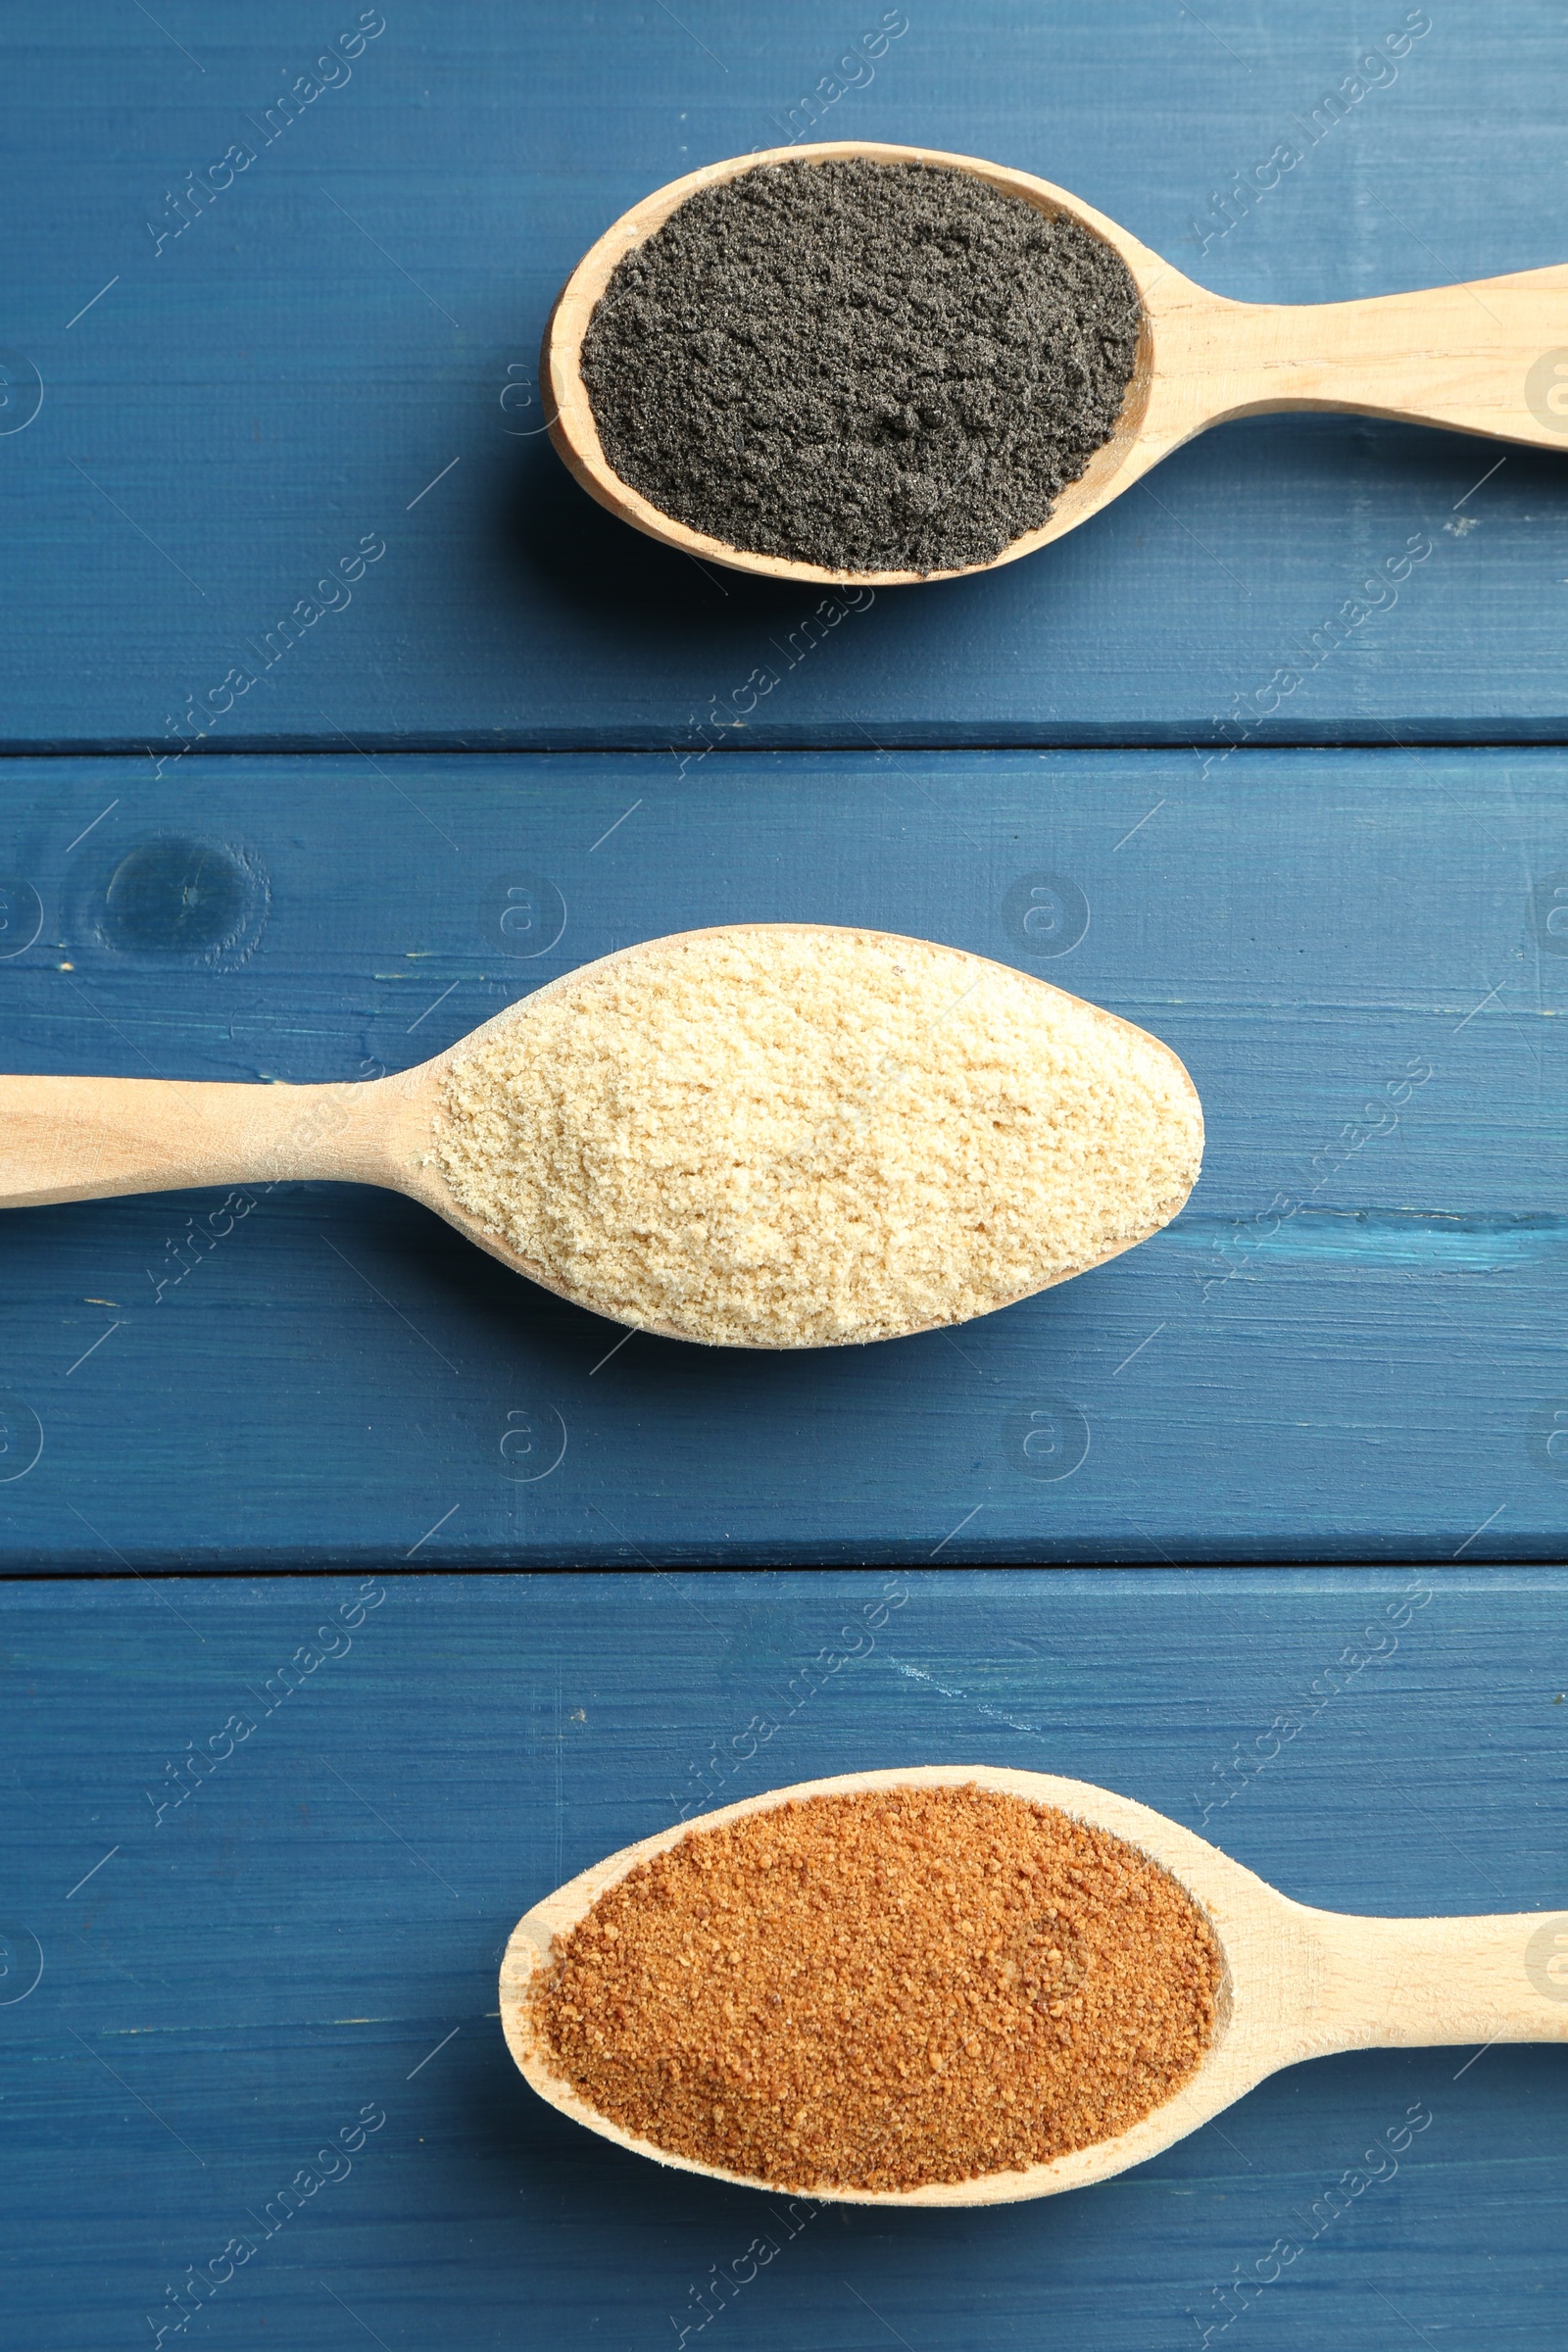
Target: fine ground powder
<point>867,366</point>
<point>792,1136</point>
<point>884,1990</point>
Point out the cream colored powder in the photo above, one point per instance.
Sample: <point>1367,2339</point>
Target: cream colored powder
<point>786,1136</point>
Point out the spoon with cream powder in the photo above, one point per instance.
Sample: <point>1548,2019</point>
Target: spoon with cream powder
<point>958,1985</point>
<point>780,358</point>
<point>769,1135</point>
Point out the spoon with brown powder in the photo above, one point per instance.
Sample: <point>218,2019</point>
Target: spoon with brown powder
<point>962,1986</point>
<point>770,1135</point>
<point>1482,358</point>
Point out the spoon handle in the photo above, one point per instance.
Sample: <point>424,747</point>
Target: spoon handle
<point>82,1139</point>
<point>1489,357</point>
<point>1394,1983</point>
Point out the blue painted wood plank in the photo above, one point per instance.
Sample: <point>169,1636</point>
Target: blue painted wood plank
<point>1350,1345</point>
<point>318,361</point>
<point>305,1948</point>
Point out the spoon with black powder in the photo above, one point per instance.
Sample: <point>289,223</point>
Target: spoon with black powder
<point>857,361</point>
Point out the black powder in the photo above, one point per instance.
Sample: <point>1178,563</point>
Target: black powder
<point>871,367</point>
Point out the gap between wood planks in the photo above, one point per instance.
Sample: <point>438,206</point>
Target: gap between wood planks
<point>1502,1575</point>
<point>1390,736</point>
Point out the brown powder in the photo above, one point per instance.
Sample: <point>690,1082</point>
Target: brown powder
<point>787,1135</point>
<point>884,1990</point>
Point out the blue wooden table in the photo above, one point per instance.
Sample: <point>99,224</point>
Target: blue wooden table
<point>315,663</point>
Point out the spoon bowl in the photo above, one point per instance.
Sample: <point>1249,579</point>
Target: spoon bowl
<point>1298,1983</point>
<point>1466,357</point>
<point>77,1139</point>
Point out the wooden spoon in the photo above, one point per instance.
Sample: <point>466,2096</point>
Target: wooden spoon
<point>1467,357</point>
<point>1299,1983</point>
<point>86,1139</point>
